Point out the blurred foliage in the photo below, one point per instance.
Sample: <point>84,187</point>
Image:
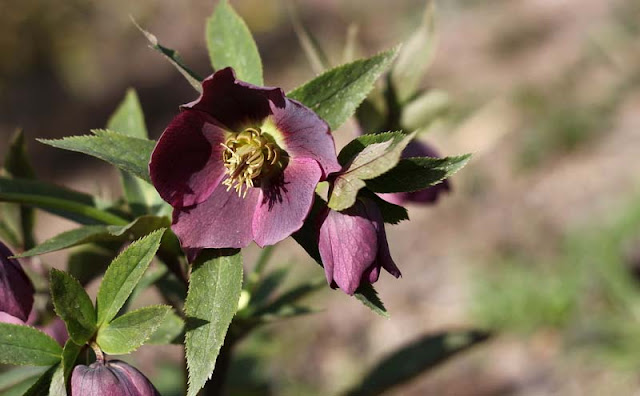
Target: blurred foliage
<point>589,291</point>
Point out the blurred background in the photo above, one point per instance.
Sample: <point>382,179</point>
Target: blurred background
<point>539,241</point>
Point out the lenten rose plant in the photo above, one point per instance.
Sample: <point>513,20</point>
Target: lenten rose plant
<point>241,163</point>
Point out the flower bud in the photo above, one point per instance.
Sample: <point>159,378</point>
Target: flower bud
<point>112,378</point>
<point>353,246</point>
<point>16,289</point>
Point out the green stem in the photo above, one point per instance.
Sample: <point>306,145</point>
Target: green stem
<point>68,206</point>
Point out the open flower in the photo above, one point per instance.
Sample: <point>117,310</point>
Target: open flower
<point>353,246</point>
<point>241,163</point>
<point>428,195</point>
<point>16,289</point>
<point>113,378</point>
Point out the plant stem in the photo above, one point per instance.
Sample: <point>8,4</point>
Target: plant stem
<point>97,351</point>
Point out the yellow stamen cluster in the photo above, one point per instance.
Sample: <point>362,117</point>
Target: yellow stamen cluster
<point>248,155</point>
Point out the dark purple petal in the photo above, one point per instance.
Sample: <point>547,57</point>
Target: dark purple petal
<point>6,318</point>
<point>284,206</point>
<point>57,330</point>
<point>16,289</point>
<point>348,247</point>
<point>234,103</point>
<point>222,221</point>
<point>186,165</point>
<point>383,259</point>
<point>306,135</point>
<point>115,378</point>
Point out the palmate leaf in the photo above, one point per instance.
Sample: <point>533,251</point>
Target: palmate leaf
<point>125,152</point>
<point>139,227</point>
<point>335,94</point>
<point>123,275</point>
<point>214,291</point>
<point>128,332</point>
<point>73,305</point>
<point>25,345</point>
<point>374,159</point>
<point>230,44</point>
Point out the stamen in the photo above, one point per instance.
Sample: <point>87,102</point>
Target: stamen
<point>247,156</point>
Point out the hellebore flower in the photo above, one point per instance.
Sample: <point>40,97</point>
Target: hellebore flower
<point>427,196</point>
<point>113,378</point>
<point>353,246</point>
<point>16,289</point>
<point>241,163</point>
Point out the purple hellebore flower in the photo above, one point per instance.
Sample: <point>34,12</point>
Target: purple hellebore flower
<point>427,196</point>
<point>16,289</point>
<point>353,246</point>
<point>113,378</point>
<point>241,163</point>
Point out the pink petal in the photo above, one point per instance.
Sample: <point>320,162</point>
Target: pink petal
<point>234,103</point>
<point>186,165</point>
<point>348,247</point>
<point>222,221</point>
<point>16,289</point>
<point>283,207</point>
<point>306,135</point>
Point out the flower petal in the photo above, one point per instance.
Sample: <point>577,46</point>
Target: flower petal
<point>306,135</point>
<point>348,247</point>
<point>16,289</point>
<point>186,165</point>
<point>283,207</point>
<point>6,318</point>
<point>383,258</point>
<point>234,103</point>
<point>222,221</point>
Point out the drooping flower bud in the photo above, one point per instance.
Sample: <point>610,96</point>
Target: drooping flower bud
<point>112,378</point>
<point>16,289</point>
<point>353,246</point>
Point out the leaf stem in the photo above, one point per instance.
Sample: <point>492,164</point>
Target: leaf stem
<point>97,351</point>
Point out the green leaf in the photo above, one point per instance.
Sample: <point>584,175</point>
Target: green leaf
<point>268,285</point>
<point>70,354</point>
<point>130,331</point>
<point>57,386</point>
<point>41,386</point>
<point>214,291</point>
<point>169,331</point>
<point>27,346</point>
<point>421,112</point>
<point>391,213</point>
<point>414,359</point>
<point>310,45</point>
<point>335,94</point>
<point>291,297</point>
<point>415,57</point>
<point>88,262</point>
<point>87,234</point>
<point>123,275</point>
<point>174,58</point>
<point>17,164</point>
<point>230,44</point>
<point>17,380</point>
<point>413,174</point>
<point>69,204</point>
<point>307,237</point>
<point>128,118</point>
<point>125,152</point>
<point>372,161</point>
<point>73,305</point>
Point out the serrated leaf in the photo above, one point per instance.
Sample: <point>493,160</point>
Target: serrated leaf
<point>415,57</point>
<point>414,359</point>
<point>335,94</point>
<point>413,174</point>
<point>307,237</point>
<point>57,386</point>
<point>69,204</point>
<point>174,58</point>
<point>73,305</point>
<point>70,354</point>
<point>139,227</point>
<point>41,386</point>
<point>391,213</point>
<point>230,43</point>
<point>130,331</point>
<point>24,345</point>
<point>214,291</point>
<point>372,161</point>
<point>125,152</point>
<point>169,331</point>
<point>17,380</point>
<point>123,275</point>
